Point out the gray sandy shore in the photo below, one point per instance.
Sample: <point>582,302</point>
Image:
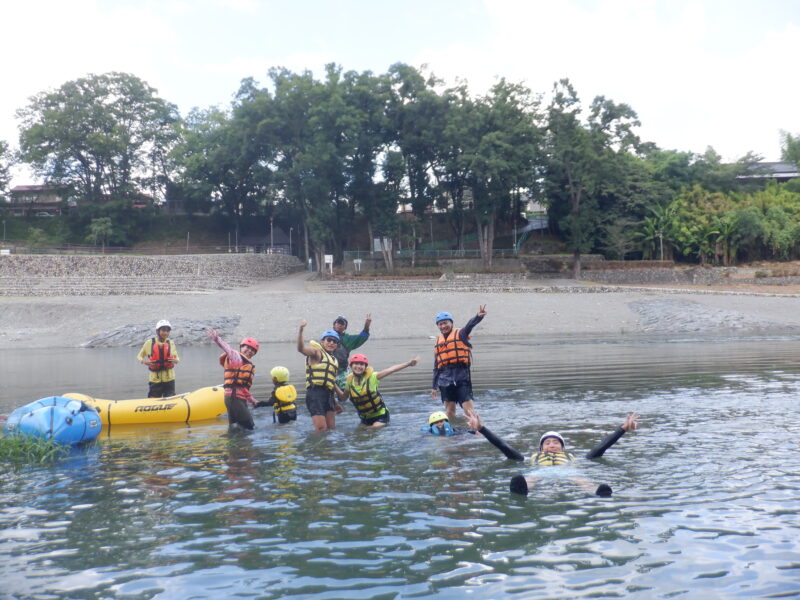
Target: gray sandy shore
<point>271,311</point>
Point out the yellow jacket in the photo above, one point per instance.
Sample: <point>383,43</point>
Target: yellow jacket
<point>165,374</point>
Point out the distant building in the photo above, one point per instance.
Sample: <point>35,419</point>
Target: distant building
<point>275,241</point>
<point>771,171</point>
<point>32,200</point>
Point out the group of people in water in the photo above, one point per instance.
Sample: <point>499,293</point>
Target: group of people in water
<point>333,375</point>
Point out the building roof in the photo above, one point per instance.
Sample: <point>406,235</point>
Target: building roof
<point>38,188</point>
<point>771,170</point>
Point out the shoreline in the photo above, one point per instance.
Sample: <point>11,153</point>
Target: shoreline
<point>272,309</point>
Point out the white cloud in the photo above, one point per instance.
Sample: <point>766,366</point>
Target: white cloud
<point>695,75</point>
<point>689,94</point>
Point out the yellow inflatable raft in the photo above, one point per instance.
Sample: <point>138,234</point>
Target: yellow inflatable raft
<point>205,403</point>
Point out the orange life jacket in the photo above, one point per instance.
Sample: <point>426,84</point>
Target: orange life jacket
<point>241,376</point>
<point>160,356</point>
<point>451,351</point>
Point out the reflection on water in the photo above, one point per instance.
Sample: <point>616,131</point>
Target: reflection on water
<point>705,502</point>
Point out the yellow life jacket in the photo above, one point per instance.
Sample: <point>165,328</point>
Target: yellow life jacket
<point>365,398</point>
<point>323,373</point>
<point>285,395</point>
<point>553,459</point>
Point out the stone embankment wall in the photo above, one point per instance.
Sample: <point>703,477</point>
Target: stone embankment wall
<point>692,275</point>
<point>58,275</point>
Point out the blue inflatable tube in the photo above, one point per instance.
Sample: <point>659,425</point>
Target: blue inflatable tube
<point>56,418</point>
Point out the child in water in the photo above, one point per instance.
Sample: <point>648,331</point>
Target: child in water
<point>361,386</point>
<point>552,452</point>
<point>282,398</point>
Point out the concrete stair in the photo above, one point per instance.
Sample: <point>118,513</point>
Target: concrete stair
<point>116,286</point>
<point>484,283</point>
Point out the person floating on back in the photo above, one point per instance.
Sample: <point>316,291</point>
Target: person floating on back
<point>361,386</point>
<point>452,360</point>
<point>239,373</point>
<point>552,452</point>
<point>347,343</point>
<point>321,370</point>
<point>160,355</point>
<point>282,398</point>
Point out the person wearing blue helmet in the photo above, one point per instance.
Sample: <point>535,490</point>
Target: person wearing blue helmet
<point>348,343</point>
<point>452,353</point>
<point>321,370</point>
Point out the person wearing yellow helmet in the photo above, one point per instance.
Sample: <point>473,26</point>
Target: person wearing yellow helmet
<point>361,387</point>
<point>282,397</point>
<point>552,452</point>
<point>439,424</point>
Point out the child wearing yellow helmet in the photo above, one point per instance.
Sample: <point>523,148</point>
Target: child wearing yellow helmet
<point>282,397</point>
<point>552,452</point>
<point>439,424</point>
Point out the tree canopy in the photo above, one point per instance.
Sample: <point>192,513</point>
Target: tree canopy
<point>388,152</point>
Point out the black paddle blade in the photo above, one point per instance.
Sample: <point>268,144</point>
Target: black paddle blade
<point>603,490</point>
<point>518,485</point>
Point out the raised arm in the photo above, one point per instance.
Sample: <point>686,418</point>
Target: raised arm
<point>467,329</point>
<point>474,422</point>
<point>396,368</point>
<point>234,358</point>
<point>630,424</point>
<point>302,348</point>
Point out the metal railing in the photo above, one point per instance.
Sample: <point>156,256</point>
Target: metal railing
<point>348,255</point>
<point>160,249</point>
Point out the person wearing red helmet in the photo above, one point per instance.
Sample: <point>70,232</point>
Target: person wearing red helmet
<point>348,343</point>
<point>361,386</point>
<point>239,373</point>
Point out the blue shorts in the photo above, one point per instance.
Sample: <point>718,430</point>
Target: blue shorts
<point>459,393</point>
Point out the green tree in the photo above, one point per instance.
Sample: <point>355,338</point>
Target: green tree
<point>583,158</point>
<point>101,134</point>
<point>790,148</point>
<point>501,157</point>
<point>37,237</point>
<point>416,117</point>
<point>6,162</point>
<point>99,231</point>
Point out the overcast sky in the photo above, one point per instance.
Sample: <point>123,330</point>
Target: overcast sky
<point>699,73</point>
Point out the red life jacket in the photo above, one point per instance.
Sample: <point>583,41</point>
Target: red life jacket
<point>160,356</point>
<point>241,376</point>
<point>451,351</point>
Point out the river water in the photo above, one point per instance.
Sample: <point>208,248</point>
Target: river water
<point>706,497</point>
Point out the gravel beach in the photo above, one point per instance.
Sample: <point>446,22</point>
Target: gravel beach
<point>271,311</point>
